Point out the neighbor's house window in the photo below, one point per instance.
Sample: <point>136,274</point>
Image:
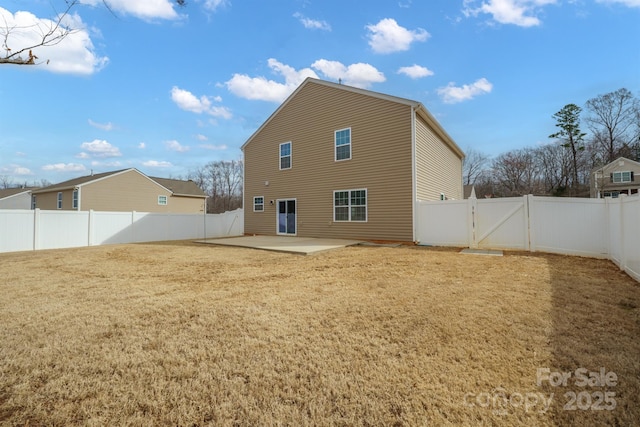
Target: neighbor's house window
<point>33,201</point>
<point>618,177</point>
<point>343,144</point>
<point>258,204</point>
<point>285,155</point>
<point>75,199</point>
<point>350,205</point>
<point>162,200</point>
<point>60,200</point>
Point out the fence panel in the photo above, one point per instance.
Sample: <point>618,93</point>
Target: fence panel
<point>443,223</point>
<point>630,219</point>
<point>17,230</point>
<point>501,223</point>
<point>569,226</point>
<point>22,230</point>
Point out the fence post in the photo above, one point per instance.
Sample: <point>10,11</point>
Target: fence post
<point>623,260</point>
<point>36,229</point>
<point>472,207</point>
<point>530,226</point>
<point>90,230</point>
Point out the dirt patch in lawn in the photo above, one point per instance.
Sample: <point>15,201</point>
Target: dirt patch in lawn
<point>187,334</point>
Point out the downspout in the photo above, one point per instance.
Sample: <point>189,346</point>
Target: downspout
<point>414,177</point>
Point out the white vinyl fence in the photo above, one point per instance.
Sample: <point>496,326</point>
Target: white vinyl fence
<point>23,230</point>
<point>601,228</point>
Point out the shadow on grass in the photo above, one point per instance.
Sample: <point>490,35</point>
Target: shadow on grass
<point>595,329</point>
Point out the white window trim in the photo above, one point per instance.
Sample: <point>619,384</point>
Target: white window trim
<point>166,200</point>
<point>366,205</point>
<point>280,156</point>
<point>75,199</point>
<point>254,204</point>
<point>59,200</point>
<point>621,175</point>
<point>335,145</point>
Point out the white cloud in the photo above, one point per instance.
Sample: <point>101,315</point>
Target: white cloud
<point>312,24</point>
<point>98,148</point>
<point>452,94</point>
<point>115,164</point>
<point>142,146</point>
<point>187,101</point>
<point>630,3</point>
<point>415,71</point>
<point>358,75</point>
<point>74,54</point>
<point>147,9</point>
<point>157,164</point>
<point>212,5</point>
<point>387,36</point>
<point>104,126</point>
<point>16,170</point>
<point>259,88</point>
<point>64,167</point>
<point>174,145</point>
<point>214,147</point>
<point>517,12</point>
<point>201,137</point>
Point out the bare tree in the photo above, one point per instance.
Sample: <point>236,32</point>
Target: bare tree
<point>475,165</point>
<point>555,168</point>
<point>516,173</point>
<point>613,120</point>
<point>222,182</point>
<point>5,181</point>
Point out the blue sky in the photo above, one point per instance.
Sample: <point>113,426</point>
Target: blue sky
<point>167,89</point>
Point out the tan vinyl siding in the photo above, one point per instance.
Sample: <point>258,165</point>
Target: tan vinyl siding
<point>122,192</point>
<point>380,162</point>
<point>438,167</point>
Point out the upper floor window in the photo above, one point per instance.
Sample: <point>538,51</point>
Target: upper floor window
<point>33,201</point>
<point>285,155</point>
<point>60,200</point>
<point>162,200</point>
<point>343,144</point>
<point>258,204</point>
<point>75,199</point>
<point>619,177</point>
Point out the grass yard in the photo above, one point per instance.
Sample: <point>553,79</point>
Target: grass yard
<point>190,334</point>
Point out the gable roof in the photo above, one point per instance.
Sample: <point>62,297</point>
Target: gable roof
<point>175,186</point>
<point>180,188</point>
<point>8,192</point>
<point>417,106</point>
<point>613,164</point>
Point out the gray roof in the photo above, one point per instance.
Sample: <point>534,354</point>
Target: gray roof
<point>180,187</point>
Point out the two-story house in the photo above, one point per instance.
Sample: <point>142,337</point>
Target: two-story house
<point>615,178</point>
<point>122,191</point>
<point>343,162</point>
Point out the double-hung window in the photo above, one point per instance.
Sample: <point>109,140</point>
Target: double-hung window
<point>258,204</point>
<point>60,200</point>
<point>620,177</point>
<point>285,155</point>
<point>350,205</point>
<point>162,200</point>
<point>343,144</point>
<point>75,199</point>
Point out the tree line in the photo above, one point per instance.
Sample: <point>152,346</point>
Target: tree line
<point>564,166</point>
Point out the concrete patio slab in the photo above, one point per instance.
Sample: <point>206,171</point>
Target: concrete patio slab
<point>289,244</point>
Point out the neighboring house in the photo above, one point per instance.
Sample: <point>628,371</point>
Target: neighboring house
<point>16,198</point>
<point>622,176</point>
<point>342,162</point>
<point>122,191</point>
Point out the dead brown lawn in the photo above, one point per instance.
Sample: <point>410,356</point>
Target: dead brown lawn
<point>188,334</point>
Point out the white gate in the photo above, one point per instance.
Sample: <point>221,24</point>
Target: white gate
<point>500,223</point>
